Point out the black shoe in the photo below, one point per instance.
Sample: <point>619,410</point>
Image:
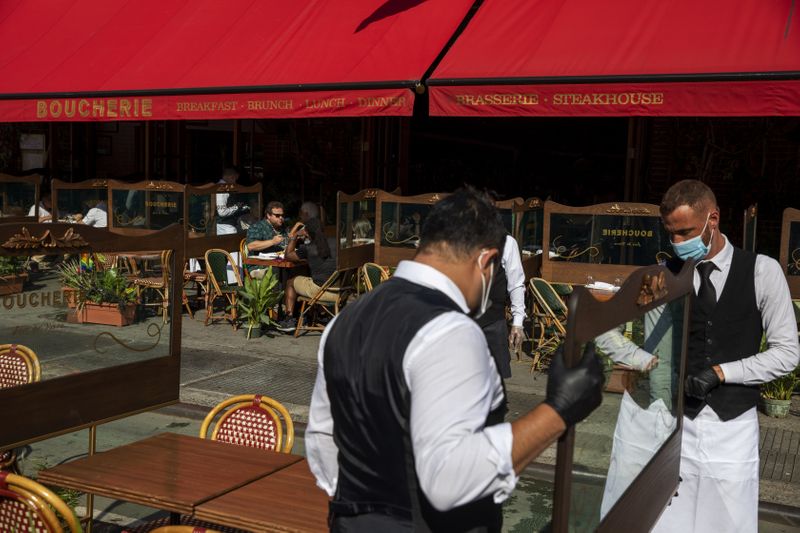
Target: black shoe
<point>287,325</point>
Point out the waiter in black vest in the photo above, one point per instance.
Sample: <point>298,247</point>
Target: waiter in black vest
<point>404,429</point>
<point>508,285</point>
<point>739,296</point>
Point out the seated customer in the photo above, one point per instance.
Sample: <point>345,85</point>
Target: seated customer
<point>320,254</point>
<point>266,236</point>
<point>97,216</point>
<point>44,208</point>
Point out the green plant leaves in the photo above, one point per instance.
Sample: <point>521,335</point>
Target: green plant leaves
<point>257,297</point>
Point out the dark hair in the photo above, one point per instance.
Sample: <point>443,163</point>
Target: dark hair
<point>465,221</point>
<point>230,171</point>
<point>693,193</point>
<point>318,239</point>
<point>274,205</point>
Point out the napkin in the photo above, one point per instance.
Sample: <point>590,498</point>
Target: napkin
<point>602,286</point>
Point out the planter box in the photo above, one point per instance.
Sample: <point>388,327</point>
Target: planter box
<point>12,284</point>
<point>622,379</point>
<point>776,408</point>
<point>108,314</point>
<point>70,297</point>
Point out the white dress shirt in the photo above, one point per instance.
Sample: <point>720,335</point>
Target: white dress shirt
<point>97,216</point>
<point>777,318</point>
<point>453,384</point>
<point>515,280</point>
<point>224,210</point>
<point>42,212</point>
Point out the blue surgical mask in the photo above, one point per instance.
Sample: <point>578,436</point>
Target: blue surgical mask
<point>694,248</point>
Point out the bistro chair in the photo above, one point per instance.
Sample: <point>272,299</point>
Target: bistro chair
<point>26,505</point>
<point>217,262</point>
<point>251,420</point>
<point>196,280</point>
<point>373,275</point>
<point>549,324</point>
<point>158,283</point>
<point>187,524</point>
<point>18,366</point>
<point>327,302</point>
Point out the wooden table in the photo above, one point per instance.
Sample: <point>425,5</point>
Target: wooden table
<point>275,263</point>
<point>287,500</point>
<point>168,471</point>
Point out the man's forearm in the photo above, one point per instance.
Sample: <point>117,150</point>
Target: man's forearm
<point>533,433</point>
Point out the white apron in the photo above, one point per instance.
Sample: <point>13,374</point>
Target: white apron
<point>638,435</point>
<point>719,472</point>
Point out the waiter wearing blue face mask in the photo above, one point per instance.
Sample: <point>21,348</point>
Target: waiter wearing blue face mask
<point>738,297</point>
<point>405,429</point>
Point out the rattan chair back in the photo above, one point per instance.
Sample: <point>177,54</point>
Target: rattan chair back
<point>373,275</point>
<point>217,285</point>
<point>251,420</point>
<point>548,321</point>
<point>27,506</point>
<point>18,366</point>
<point>327,302</point>
<point>183,529</point>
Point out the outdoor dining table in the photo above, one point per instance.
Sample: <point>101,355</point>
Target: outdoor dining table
<point>168,471</point>
<point>287,500</point>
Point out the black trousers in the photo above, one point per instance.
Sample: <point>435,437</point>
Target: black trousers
<point>497,338</point>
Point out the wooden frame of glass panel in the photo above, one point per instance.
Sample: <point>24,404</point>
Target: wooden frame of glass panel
<point>17,195</point>
<point>610,232</point>
<point>398,220</point>
<point>644,499</point>
<point>68,198</point>
<point>790,249</point>
<point>75,401</point>
<point>750,227</point>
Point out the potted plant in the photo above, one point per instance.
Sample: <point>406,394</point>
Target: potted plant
<point>97,296</point>
<point>776,396</point>
<point>110,299</point>
<point>74,281</point>
<point>12,275</point>
<point>256,299</point>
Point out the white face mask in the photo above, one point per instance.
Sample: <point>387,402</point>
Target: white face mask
<point>486,286</point>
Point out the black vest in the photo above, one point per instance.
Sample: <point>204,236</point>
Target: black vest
<point>370,406</point>
<point>498,294</point>
<point>730,332</point>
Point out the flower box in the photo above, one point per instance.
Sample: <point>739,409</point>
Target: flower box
<point>12,283</point>
<point>108,314</point>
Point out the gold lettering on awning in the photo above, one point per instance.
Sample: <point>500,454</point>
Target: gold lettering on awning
<point>96,108</point>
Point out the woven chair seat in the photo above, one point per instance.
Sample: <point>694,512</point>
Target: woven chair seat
<point>16,516</point>
<point>198,277</point>
<point>157,281</point>
<point>13,371</point>
<point>251,426</point>
<point>26,506</point>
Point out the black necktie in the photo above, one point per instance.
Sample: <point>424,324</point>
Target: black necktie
<point>707,294</point>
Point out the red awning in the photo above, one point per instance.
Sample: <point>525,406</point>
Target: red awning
<point>88,60</point>
<point>623,58</point>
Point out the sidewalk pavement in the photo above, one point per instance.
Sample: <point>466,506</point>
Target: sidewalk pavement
<point>218,362</point>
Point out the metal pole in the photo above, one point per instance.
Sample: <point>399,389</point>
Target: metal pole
<point>89,496</point>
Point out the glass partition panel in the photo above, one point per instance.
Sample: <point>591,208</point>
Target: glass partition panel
<point>793,266</point>
<point>72,202</point>
<point>82,312</point>
<point>401,223</point>
<point>608,239</point>
<point>17,198</point>
<point>642,360</point>
<point>531,231</point>
<point>146,209</point>
<point>357,223</point>
<point>200,213</point>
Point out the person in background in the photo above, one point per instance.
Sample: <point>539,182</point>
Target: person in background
<point>508,285</point>
<point>45,205</point>
<point>228,214</point>
<point>740,297</point>
<point>97,216</point>
<point>319,251</point>
<point>405,430</point>
<point>267,236</point>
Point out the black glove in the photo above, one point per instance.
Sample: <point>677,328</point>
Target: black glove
<point>575,392</point>
<point>699,385</point>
